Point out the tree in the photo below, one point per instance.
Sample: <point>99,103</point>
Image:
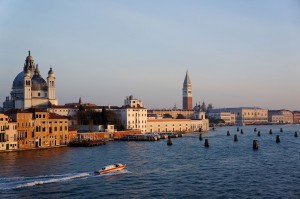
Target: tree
<point>113,118</point>
<point>180,116</point>
<point>104,116</point>
<point>167,115</point>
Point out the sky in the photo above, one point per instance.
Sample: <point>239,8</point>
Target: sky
<point>238,53</point>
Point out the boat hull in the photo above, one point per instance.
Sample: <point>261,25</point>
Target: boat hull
<point>109,170</point>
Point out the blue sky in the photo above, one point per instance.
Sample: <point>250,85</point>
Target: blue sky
<point>238,53</point>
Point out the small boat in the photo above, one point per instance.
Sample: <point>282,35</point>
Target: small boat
<point>110,168</point>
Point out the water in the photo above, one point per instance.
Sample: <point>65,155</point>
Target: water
<point>187,169</point>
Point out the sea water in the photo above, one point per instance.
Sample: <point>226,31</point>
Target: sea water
<point>187,169</point>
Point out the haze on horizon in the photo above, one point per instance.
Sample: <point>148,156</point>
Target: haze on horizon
<point>237,53</point>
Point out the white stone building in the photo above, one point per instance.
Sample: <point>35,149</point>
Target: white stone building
<point>227,116</point>
<point>249,115</point>
<point>30,89</point>
<point>281,116</point>
<point>133,115</point>
<point>177,125</point>
<point>158,124</point>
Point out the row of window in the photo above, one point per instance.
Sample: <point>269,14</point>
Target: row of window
<point>137,122</point>
<point>133,127</point>
<point>55,129</point>
<point>3,119</point>
<point>137,115</point>
<point>167,125</point>
<point>142,110</point>
<point>254,113</point>
<point>168,130</point>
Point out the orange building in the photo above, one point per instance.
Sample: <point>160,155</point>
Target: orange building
<point>38,128</point>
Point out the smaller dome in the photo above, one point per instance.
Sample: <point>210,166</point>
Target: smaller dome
<point>38,83</point>
<point>51,73</point>
<point>29,57</point>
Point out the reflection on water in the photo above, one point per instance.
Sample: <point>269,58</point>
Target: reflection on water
<point>186,169</point>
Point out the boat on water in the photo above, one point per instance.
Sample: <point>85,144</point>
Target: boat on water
<point>110,168</point>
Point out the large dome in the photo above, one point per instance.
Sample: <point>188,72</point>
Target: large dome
<point>18,82</point>
<point>38,83</point>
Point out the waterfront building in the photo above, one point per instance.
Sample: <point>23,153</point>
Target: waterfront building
<point>296,117</point>
<point>30,89</point>
<point>281,116</point>
<point>248,115</point>
<point>227,116</point>
<point>176,125</point>
<point>187,98</point>
<point>133,114</point>
<point>199,123</point>
<point>8,133</point>
<point>38,128</point>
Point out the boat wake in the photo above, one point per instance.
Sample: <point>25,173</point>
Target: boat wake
<point>114,173</point>
<point>22,182</point>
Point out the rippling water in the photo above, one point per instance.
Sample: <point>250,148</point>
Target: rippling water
<point>187,169</point>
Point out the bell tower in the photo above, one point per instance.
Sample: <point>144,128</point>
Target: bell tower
<point>27,89</point>
<point>187,99</point>
<point>51,87</point>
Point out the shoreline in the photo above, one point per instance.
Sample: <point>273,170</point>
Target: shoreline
<point>32,149</point>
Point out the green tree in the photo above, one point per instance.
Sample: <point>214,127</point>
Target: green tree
<point>167,115</point>
<point>180,116</point>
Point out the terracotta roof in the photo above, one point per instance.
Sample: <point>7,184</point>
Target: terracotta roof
<point>56,116</point>
<point>89,106</point>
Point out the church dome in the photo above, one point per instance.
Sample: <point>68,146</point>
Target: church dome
<point>38,83</point>
<point>18,82</point>
<point>29,57</point>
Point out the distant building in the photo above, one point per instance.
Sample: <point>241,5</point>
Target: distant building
<point>228,117</point>
<point>30,89</point>
<point>158,124</point>
<point>133,114</point>
<point>281,116</point>
<point>248,115</point>
<point>187,98</point>
<point>296,117</point>
<point>176,125</point>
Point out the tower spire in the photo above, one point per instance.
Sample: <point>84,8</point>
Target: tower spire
<point>29,53</point>
<point>187,99</point>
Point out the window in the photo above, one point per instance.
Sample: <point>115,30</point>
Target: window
<point>39,94</point>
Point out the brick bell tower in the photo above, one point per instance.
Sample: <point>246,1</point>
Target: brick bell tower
<point>187,99</point>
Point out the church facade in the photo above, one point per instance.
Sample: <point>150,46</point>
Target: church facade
<point>30,89</point>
